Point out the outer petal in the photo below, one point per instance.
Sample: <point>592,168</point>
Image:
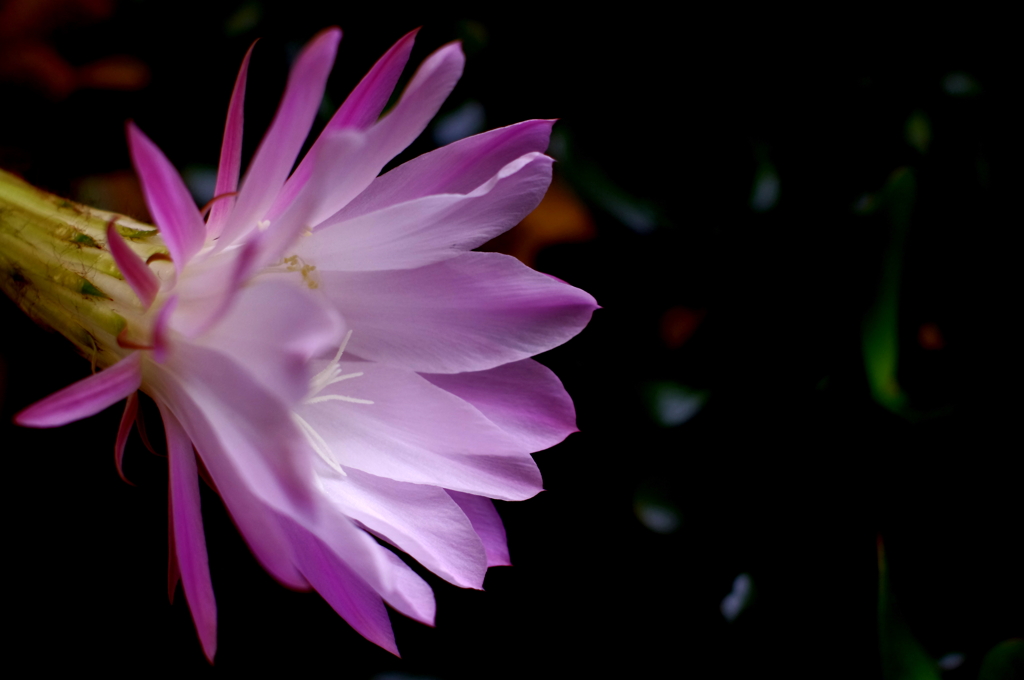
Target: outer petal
<point>140,277</point>
<point>363,106</point>
<point>169,201</point>
<point>273,330</point>
<point>488,526</point>
<point>427,90</point>
<point>230,153</point>
<point>523,398</point>
<point>281,145</point>
<point>86,397</point>
<point>422,521</point>
<point>345,591</point>
<point>433,228</point>
<point>379,567</point>
<point>469,313</point>
<point>256,521</point>
<point>416,432</point>
<point>189,540</point>
<point>131,408</point>
<point>252,426</point>
<point>457,168</point>
<point>359,112</point>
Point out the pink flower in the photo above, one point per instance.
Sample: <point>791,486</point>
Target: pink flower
<point>431,404</point>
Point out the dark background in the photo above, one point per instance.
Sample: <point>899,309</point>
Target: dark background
<point>750,308</point>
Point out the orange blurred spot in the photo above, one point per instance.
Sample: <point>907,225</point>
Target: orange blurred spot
<point>930,337</point>
<point>560,218</point>
<point>26,55</point>
<point>678,324</point>
<point>116,72</point>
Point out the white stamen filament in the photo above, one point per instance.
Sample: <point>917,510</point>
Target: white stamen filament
<point>319,445</point>
<point>337,397</point>
<point>330,375</point>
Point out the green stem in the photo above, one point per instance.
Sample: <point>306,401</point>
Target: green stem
<point>55,265</point>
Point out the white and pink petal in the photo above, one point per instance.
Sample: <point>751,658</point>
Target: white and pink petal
<point>456,168</point>
<point>422,521</point>
<point>412,431</point>
<point>468,313</point>
<point>487,524</point>
<point>523,398</point>
<point>432,228</point>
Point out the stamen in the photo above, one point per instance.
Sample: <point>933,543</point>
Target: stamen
<point>318,444</point>
<point>337,397</point>
<point>339,378</point>
<point>330,368</point>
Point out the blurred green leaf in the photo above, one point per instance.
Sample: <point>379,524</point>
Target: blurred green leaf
<point>919,131</point>
<point>765,192</point>
<point>244,19</point>
<point>903,657</point>
<point>1004,662</point>
<point>880,332</point>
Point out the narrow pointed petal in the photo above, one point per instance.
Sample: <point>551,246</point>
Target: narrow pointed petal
<point>487,524</point>
<point>420,101</point>
<point>169,201</point>
<point>173,571</point>
<point>135,271</point>
<point>523,398</point>
<point>230,153</point>
<point>364,105</point>
<point>86,397</point>
<point>131,409</point>
<point>281,145</point>
<point>470,313</point>
<point>457,168</point>
<point>344,590</point>
<point>359,111</point>
<point>189,539</point>
<point>422,521</point>
<point>433,228</point>
<point>255,520</point>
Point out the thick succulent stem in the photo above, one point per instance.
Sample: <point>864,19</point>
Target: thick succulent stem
<point>56,266</point>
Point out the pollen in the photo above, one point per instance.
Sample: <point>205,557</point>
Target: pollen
<point>293,263</point>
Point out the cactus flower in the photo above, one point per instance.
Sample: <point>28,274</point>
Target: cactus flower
<point>325,341</point>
